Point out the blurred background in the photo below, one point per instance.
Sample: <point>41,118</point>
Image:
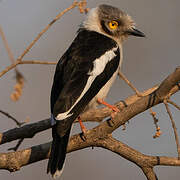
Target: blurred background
<point>147,61</point>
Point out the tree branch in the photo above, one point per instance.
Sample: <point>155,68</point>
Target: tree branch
<point>99,136</point>
<point>10,54</point>
<point>13,161</point>
<point>149,173</point>
<point>135,104</point>
<point>82,8</point>
<point>174,127</point>
<point>174,104</point>
<point>122,76</point>
<point>93,115</point>
<point>26,131</point>
<point>45,29</point>
<point>12,66</point>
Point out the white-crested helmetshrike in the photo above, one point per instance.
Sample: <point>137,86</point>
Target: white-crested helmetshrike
<point>85,73</point>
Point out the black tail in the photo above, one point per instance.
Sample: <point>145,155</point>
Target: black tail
<point>58,152</point>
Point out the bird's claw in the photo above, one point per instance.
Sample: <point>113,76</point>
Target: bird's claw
<point>115,109</point>
<point>83,134</point>
<point>112,107</point>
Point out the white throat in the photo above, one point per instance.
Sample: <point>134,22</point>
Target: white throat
<point>92,21</point>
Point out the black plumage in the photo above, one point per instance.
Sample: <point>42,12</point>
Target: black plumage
<point>71,75</point>
<point>72,69</point>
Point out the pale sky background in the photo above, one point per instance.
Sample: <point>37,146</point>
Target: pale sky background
<point>147,61</point>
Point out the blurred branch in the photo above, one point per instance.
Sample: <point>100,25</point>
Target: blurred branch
<point>17,145</point>
<point>122,76</point>
<point>12,66</point>
<point>19,77</point>
<point>11,117</point>
<point>173,103</point>
<point>82,7</point>
<point>74,4</point>
<point>11,57</point>
<point>174,127</point>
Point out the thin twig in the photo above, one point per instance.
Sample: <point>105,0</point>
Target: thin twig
<point>173,103</point>
<point>46,28</point>
<point>122,76</point>
<point>38,62</point>
<point>11,117</point>
<point>8,68</point>
<point>174,127</point>
<point>15,148</point>
<point>82,9</point>
<point>10,54</point>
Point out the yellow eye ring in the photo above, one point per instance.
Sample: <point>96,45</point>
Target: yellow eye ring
<point>113,24</point>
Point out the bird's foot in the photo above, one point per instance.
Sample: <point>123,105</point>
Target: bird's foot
<point>112,107</point>
<point>83,136</point>
<point>83,129</point>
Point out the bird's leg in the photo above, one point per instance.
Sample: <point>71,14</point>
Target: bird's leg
<point>114,108</point>
<point>83,128</point>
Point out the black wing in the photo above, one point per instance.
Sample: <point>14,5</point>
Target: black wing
<point>72,72</point>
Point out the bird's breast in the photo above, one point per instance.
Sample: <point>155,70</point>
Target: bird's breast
<point>102,94</point>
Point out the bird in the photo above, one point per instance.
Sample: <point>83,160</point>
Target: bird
<point>85,74</point>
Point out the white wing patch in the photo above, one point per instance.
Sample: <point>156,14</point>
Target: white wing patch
<point>99,66</point>
<point>100,63</point>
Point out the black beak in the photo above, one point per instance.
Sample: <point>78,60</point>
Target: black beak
<point>135,32</point>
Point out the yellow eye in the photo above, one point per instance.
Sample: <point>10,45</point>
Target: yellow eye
<point>113,24</point>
